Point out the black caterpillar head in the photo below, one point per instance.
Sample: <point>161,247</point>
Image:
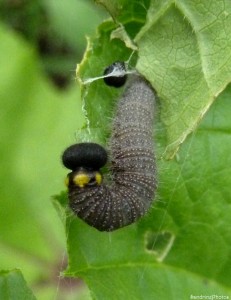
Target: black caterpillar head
<point>118,74</point>
<point>85,160</point>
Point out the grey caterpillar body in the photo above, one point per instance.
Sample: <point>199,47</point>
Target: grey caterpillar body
<point>109,206</point>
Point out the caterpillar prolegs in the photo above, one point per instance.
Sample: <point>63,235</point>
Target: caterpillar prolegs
<point>129,194</point>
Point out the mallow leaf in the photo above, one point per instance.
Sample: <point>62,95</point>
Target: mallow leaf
<point>182,247</point>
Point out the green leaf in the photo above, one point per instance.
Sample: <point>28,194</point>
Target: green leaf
<point>13,286</point>
<point>97,96</point>
<point>203,187</point>
<point>182,247</point>
<point>184,51</point>
<point>149,282</point>
<point>126,12</point>
<point>187,46</point>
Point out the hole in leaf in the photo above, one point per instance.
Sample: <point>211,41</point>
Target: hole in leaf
<point>159,243</point>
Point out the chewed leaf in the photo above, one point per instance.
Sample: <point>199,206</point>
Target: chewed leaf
<point>121,33</point>
<point>182,247</point>
<point>184,51</point>
<point>99,99</point>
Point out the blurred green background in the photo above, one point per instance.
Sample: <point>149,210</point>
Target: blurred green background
<point>41,41</point>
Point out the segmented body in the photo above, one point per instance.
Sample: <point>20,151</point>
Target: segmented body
<point>109,206</point>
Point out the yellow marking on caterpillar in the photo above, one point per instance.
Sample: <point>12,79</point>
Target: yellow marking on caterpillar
<point>81,179</point>
<point>98,178</point>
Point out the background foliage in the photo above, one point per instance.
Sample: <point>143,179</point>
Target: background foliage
<point>183,246</point>
<point>40,44</point>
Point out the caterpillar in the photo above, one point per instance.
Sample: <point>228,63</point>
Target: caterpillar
<point>129,194</point>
